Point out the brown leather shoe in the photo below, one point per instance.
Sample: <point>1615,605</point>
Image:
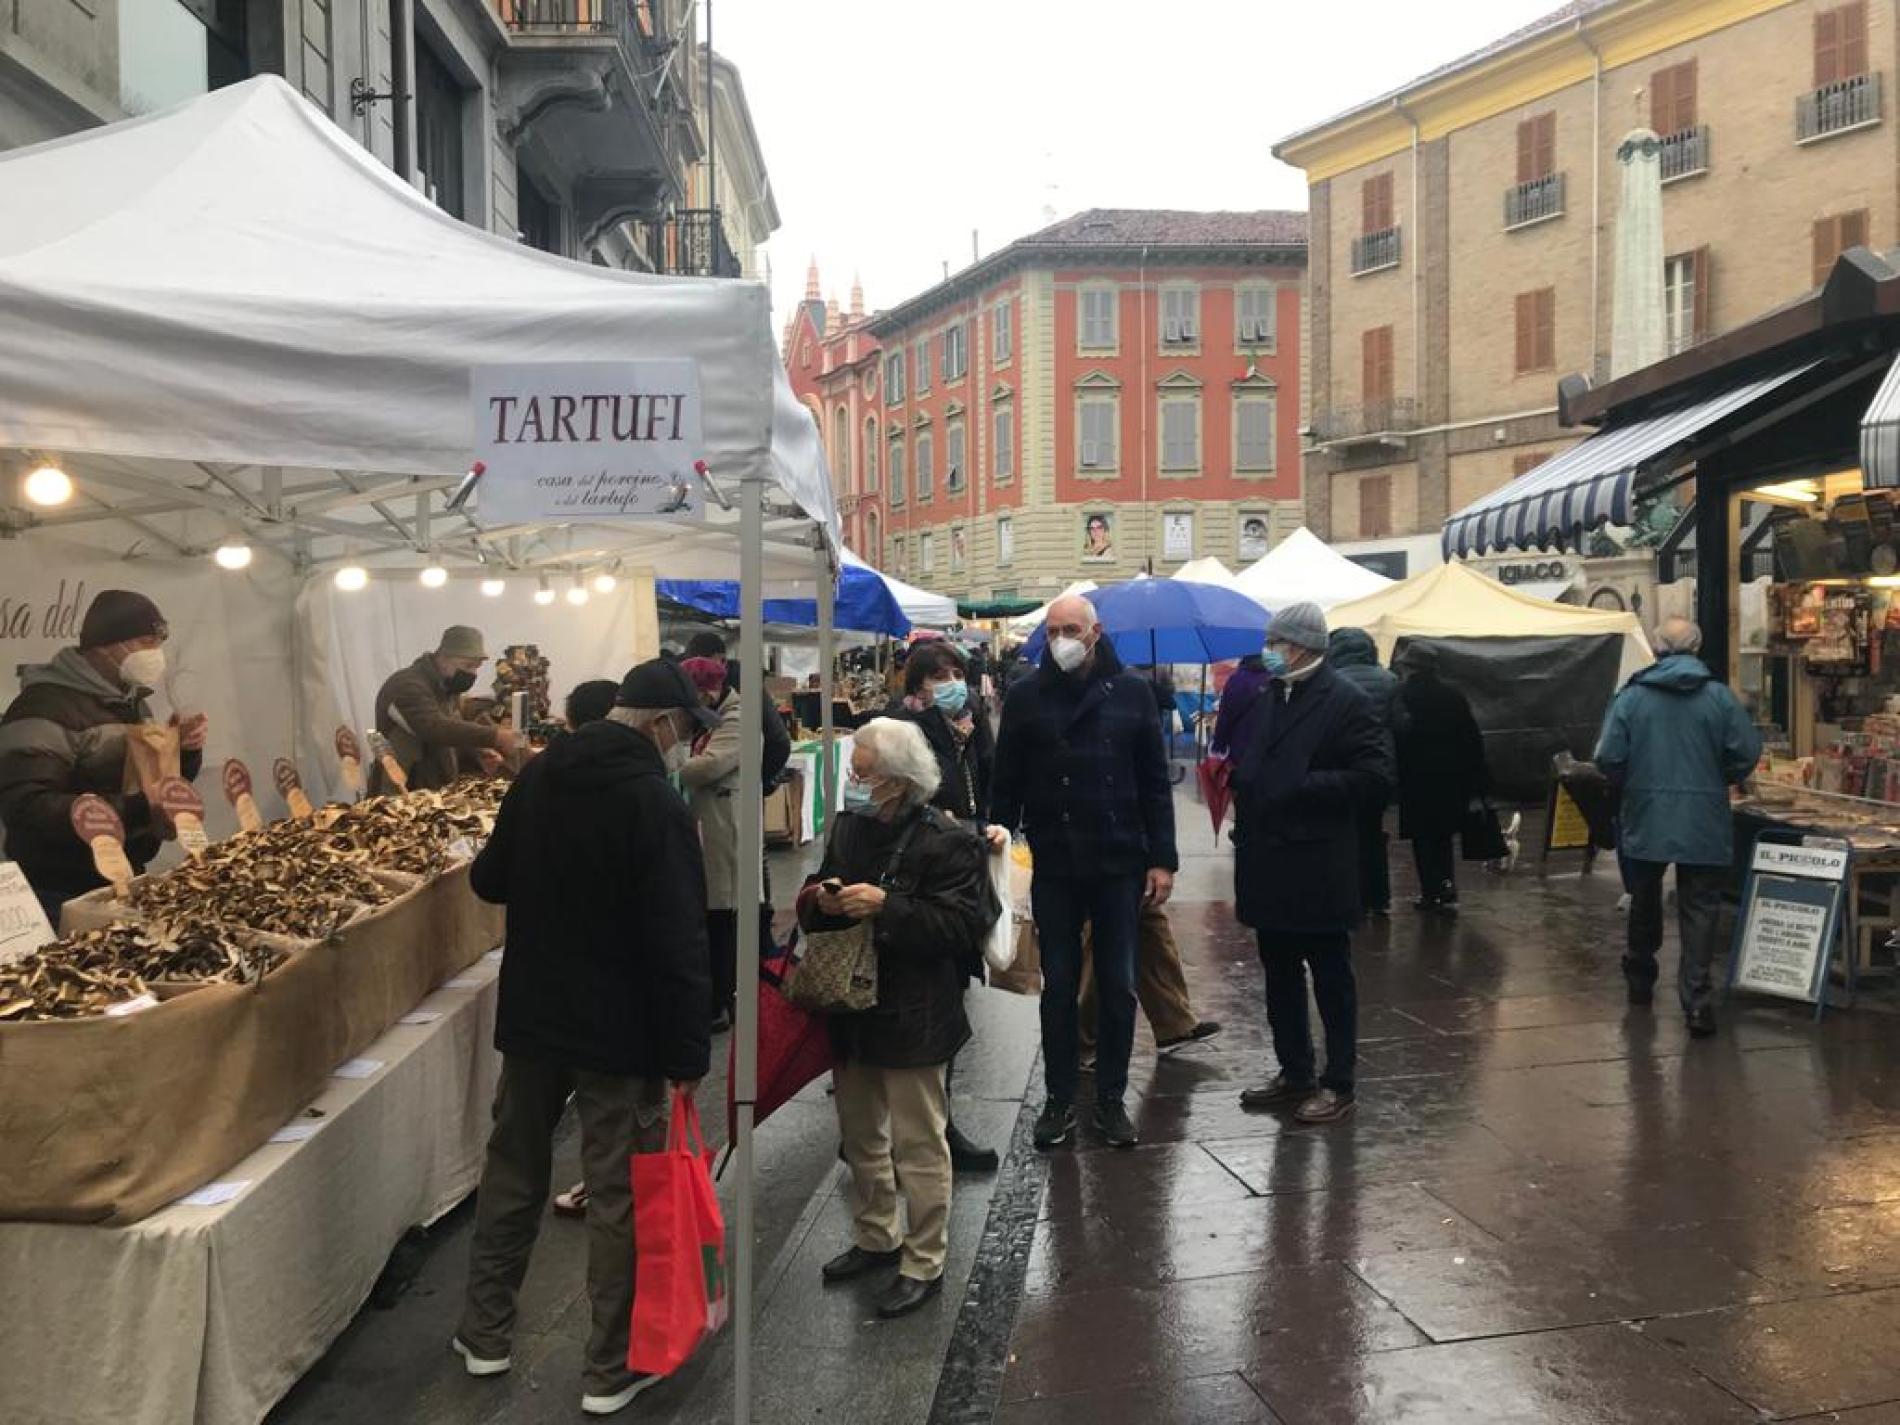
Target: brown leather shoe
<point>1326,1106</point>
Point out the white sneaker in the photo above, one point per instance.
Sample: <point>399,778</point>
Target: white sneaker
<point>480,1365</point>
<point>620,1399</point>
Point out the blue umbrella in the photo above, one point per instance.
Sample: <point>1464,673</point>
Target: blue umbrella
<point>1173,621</point>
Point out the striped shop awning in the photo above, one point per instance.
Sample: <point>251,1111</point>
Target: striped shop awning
<point>1880,435</point>
<point>1592,483</point>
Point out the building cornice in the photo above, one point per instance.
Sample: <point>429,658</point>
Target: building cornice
<point>1495,82</point>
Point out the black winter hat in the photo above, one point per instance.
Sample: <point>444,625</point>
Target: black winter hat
<point>118,616</point>
<point>660,684</point>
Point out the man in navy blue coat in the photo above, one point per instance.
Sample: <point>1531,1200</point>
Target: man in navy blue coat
<point>1080,765</point>
<point>1320,761</point>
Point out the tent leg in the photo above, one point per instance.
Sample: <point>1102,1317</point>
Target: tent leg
<point>745,1067</point>
<point>827,660</point>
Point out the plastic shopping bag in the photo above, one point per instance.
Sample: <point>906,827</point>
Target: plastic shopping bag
<point>679,1281</point>
<point>999,945</point>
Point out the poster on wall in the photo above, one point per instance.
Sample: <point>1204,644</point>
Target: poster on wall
<point>1177,537</point>
<point>1253,538</point>
<point>588,440</point>
<point>1098,536</point>
<point>1790,910</point>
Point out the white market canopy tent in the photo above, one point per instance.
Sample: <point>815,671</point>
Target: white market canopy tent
<point>1302,569</point>
<point>1209,570</point>
<point>920,606</point>
<point>230,308</point>
<point>1454,601</point>
<point>1028,623</point>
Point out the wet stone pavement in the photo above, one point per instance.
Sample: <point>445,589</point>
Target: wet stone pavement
<point>1548,1208</point>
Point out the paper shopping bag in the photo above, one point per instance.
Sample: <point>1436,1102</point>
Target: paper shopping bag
<point>1024,976</point>
<point>679,1279</point>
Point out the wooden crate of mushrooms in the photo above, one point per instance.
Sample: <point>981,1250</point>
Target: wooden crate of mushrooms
<point>275,958</point>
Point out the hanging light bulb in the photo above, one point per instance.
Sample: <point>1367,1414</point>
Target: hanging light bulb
<point>544,595</point>
<point>351,578</point>
<point>494,588</point>
<point>605,583</point>
<point>433,576</point>
<point>47,486</point>
<point>577,595</point>
<point>233,556</point>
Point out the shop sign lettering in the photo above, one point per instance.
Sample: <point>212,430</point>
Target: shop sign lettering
<point>1538,572</point>
<point>54,619</point>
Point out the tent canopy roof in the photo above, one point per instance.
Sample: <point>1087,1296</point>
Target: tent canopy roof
<point>1455,601</point>
<point>1302,568</point>
<point>233,285</point>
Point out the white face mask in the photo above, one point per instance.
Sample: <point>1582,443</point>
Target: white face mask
<point>1068,653</point>
<point>676,754</point>
<point>143,668</point>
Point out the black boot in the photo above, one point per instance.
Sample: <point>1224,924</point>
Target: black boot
<point>965,1156</point>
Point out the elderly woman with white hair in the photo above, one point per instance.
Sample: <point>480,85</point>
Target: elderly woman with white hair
<point>920,879</point>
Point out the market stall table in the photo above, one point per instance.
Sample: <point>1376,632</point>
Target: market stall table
<point>209,1314</point>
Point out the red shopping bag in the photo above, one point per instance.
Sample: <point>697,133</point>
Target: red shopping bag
<point>679,1278</point>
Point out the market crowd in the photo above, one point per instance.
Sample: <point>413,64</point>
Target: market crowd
<point>616,855</point>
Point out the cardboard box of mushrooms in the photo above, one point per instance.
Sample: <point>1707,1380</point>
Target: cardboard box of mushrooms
<point>164,1037</point>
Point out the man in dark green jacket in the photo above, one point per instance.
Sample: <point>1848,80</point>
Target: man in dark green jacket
<point>1675,740</point>
<point>418,710</point>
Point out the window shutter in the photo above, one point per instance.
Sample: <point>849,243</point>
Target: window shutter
<point>1699,274</point>
<point>1526,330</point>
<point>1546,328</point>
<point>1526,161</point>
<point>1255,417</point>
<point>1375,506</point>
<point>1662,101</point>
<point>1375,204</point>
<point>899,484</point>
<point>1852,29</point>
<point>1546,146</point>
<point>1827,47</point>
<point>1853,230</point>
<point>1685,97</point>
<point>1824,250</point>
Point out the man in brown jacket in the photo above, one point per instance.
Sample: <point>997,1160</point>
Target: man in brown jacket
<point>419,710</point>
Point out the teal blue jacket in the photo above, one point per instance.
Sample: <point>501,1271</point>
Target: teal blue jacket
<point>1674,740</point>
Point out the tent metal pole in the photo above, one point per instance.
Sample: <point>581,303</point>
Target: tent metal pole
<point>827,658</point>
<point>751,890</point>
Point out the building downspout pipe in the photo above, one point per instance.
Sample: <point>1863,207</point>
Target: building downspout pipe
<point>1147,522</point>
<point>1596,184</point>
<point>1418,270</point>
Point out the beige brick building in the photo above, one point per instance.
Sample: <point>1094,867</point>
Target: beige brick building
<point>1463,227</point>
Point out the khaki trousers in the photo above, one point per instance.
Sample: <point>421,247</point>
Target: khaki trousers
<point>619,1117</point>
<point>892,1123</point>
<point>1160,984</point>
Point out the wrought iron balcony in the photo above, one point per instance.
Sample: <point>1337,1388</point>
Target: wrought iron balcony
<point>1374,252</point>
<point>553,19</point>
<point>1395,415</point>
<point>1685,154</point>
<point>692,243</point>
<point>1836,108</point>
<point>1534,202</point>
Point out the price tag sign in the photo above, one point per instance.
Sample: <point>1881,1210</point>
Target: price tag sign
<point>237,791</point>
<point>290,788</point>
<point>392,769</point>
<point>23,924</point>
<point>349,753</point>
<point>185,809</point>
<point>98,825</point>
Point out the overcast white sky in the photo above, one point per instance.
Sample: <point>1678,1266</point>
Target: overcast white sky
<point>894,127</point>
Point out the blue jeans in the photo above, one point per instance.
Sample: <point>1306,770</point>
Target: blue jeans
<point>1062,905</point>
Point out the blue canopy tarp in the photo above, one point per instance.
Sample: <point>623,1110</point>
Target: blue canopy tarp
<point>865,603</point>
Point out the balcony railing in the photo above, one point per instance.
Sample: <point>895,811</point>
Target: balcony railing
<point>1392,416</point>
<point>692,243</point>
<point>1836,108</point>
<point>1534,201</point>
<point>615,19</point>
<point>1374,252</point>
<point>1685,154</point>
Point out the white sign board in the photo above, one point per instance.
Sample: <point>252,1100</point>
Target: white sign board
<point>1788,915</point>
<point>23,924</point>
<point>588,440</point>
<point>1177,537</point>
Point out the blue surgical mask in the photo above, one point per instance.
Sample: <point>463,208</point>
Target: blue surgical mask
<point>1275,662</point>
<point>857,796</point>
<point>952,697</point>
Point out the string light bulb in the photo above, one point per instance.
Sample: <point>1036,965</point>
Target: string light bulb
<point>47,486</point>
<point>494,588</point>
<point>605,583</point>
<point>544,595</point>
<point>433,576</point>
<point>577,595</point>
<point>233,556</point>
<point>352,578</point>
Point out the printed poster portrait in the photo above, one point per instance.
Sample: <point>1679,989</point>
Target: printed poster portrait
<point>1098,537</point>
<point>958,550</point>
<point>1253,538</point>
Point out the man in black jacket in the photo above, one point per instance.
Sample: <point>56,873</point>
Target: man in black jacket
<point>1081,767</point>
<point>1355,657</point>
<point>1318,762</point>
<point>605,994</point>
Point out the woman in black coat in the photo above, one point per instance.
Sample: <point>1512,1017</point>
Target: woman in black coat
<point>922,881</point>
<point>940,701</point>
<point>1441,771</point>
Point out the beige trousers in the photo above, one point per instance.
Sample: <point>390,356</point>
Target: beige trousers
<point>1160,984</point>
<point>892,1122</point>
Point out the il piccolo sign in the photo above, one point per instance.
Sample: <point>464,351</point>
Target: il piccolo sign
<point>588,440</point>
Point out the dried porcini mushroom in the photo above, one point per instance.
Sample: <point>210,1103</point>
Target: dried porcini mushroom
<point>88,972</point>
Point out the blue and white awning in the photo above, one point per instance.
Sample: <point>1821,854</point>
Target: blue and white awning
<point>1880,435</point>
<point>1592,483</point>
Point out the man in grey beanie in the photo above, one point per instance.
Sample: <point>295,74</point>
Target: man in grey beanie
<point>1319,760</point>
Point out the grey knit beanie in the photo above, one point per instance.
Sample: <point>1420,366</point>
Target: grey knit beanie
<point>1302,625</point>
